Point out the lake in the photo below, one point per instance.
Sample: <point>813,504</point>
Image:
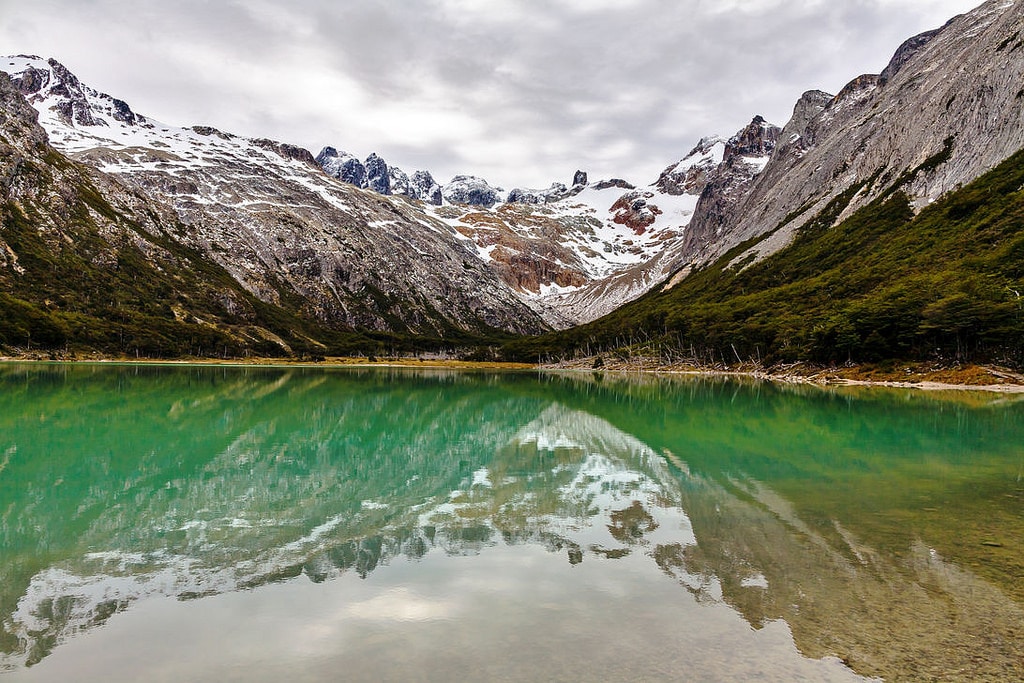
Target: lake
<point>170,523</point>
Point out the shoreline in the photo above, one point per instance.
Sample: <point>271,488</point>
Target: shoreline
<point>902,375</point>
<point>261,362</point>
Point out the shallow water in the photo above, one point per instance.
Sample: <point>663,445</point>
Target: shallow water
<point>211,523</point>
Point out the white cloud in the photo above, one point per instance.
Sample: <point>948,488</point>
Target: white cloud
<point>521,91</point>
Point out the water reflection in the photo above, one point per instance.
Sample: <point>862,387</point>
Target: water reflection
<point>883,529</point>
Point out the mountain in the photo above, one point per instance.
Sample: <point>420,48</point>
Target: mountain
<point>375,174</point>
<point>430,260</point>
<point>944,110</point>
<point>885,224</point>
<point>84,261</point>
<point>261,211</point>
<point>574,253</point>
<point>348,244</point>
<point>580,252</point>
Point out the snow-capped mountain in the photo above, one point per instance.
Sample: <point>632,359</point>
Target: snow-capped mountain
<point>266,213</point>
<point>582,252</point>
<point>375,174</point>
<point>575,253</point>
<point>359,243</point>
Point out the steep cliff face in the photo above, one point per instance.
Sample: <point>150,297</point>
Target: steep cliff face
<point>945,110</point>
<point>723,186</point>
<point>289,234</point>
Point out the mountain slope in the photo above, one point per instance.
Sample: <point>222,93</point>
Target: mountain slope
<point>77,271</point>
<point>869,233</point>
<point>945,110</point>
<point>945,283</point>
<point>584,251</point>
<point>263,211</point>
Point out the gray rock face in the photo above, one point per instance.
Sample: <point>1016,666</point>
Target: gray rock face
<point>32,80</point>
<point>343,166</point>
<point>467,189</point>
<point>400,184</point>
<point>798,135</point>
<point>579,179</point>
<point>946,109</point>
<point>21,139</point>
<point>905,51</point>
<point>427,189</point>
<point>377,177</point>
<point>756,140</point>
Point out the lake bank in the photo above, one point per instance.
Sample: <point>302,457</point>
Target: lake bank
<point>898,374</point>
<point>904,374</point>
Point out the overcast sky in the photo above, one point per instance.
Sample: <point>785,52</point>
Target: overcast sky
<point>522,92</point>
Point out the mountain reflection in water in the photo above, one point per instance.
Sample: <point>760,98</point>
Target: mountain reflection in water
<point>883,528</point>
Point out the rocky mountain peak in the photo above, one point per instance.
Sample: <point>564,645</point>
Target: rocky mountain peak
<point>342,165</point>
<point>468,189</point>
<point>399,182</point>
<point>857,90</point>
<point>712,157</point>
<point>797,136</point>
<point>905,52</point>
<point>758,139</point>
<point>427,189</point>
<point>377,177</point>
<point>73,107</point>
<point>75,104</point>
<point>690,175</point>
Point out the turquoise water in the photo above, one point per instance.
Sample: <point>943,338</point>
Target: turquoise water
<point>218,523</point>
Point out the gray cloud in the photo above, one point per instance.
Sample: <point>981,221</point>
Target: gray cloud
<point>520,91</point>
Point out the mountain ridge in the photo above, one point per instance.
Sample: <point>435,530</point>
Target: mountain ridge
<point>908,250</point>
<point>262,211</point>
<point>355,244</point>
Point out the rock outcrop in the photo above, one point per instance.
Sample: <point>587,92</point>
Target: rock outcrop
<point>552,194</point>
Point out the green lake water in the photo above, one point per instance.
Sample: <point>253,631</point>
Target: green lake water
<point>265,524</point>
